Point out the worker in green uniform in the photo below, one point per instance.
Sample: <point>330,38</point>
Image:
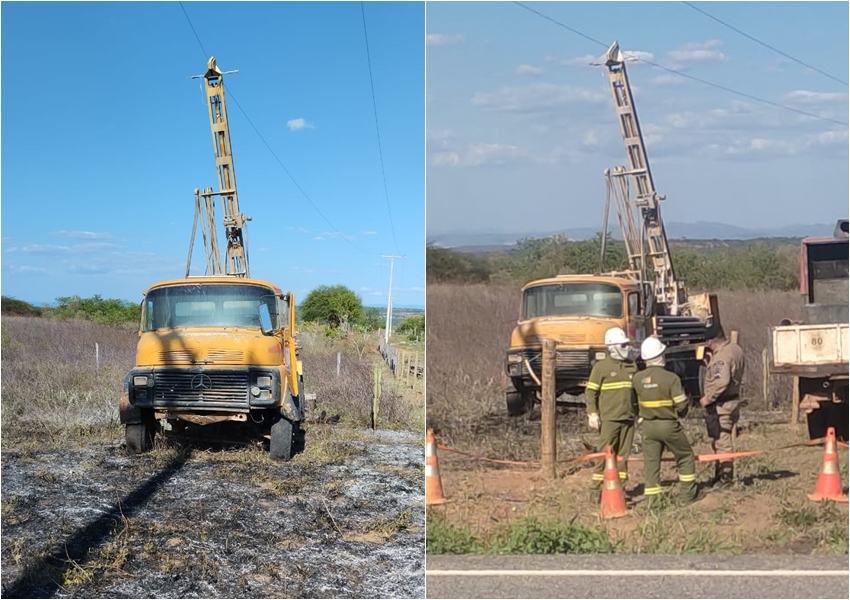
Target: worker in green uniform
<point>611,404</point>
<point>662,402</point>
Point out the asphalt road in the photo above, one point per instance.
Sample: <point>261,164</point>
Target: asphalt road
<point>637,576</point>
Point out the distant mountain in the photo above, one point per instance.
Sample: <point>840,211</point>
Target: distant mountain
<point>701,230</point>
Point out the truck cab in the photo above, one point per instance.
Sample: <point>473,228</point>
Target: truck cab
<point>575,311</point>
<point>815,351</point>
<point>213,349</point>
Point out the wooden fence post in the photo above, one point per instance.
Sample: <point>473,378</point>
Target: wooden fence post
<point>548,449</point>
<point>766,376</point>
<point>795,401</point>
<point>376,397</point>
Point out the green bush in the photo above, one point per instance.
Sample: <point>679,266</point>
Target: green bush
<point>531,536</point>
<point>13,306</point>
<point>334,305</point>
<point>97,309</point>
<point>444,538</point>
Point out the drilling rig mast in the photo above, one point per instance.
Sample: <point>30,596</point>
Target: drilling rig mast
<point>236,253</point>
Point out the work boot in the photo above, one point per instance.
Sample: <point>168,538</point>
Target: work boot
<point>686,499</point>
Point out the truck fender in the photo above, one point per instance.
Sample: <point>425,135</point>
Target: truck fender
<point>128,413</point>
<point>290,406</point>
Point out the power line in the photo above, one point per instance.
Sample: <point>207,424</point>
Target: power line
<point>766,45</point>
<point>680,73</point>
<point>285,170</point>
<point>193,30</point>
<point>377,129</point>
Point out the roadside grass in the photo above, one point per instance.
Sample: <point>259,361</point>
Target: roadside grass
<point>766,512</point>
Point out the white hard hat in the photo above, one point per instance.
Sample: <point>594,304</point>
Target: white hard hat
<point>651,348</point>
<point>615,336</point>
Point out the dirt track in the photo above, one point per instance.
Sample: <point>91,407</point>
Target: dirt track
<point>189,522</point>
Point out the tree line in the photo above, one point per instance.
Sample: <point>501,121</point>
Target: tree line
<point>750,265</point>
<point>337,307</point>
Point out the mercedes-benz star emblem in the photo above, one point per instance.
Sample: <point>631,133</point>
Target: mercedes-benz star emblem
<point>201,382</point>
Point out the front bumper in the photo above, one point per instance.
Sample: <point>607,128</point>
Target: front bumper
<point>571,363</point>
<point>205,390</point>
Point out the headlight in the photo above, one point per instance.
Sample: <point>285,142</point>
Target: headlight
<point>514,358</point>
<point>140,380</point>
<point>600,356</point>
<point>255,391</point>
<point>264,381</point>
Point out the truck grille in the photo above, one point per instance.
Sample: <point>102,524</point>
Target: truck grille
<point>565,360</point>
<point>201,387</point>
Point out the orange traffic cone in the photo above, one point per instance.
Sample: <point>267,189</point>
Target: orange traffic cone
<point>433,484</point>
<point>829,480</point>
<point>613,498</point>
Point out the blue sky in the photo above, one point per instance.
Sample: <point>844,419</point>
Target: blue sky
<point>105,137</point>
<point>520,128</point>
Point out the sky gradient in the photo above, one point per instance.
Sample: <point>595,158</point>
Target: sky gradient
<point>105,137</point>
<point>521,128</point>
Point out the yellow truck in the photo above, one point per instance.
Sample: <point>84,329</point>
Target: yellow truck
<point>576,311</point>
<point>214,349</point>
<point>221,346</point>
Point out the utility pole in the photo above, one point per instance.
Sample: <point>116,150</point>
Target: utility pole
<point>390,298</point>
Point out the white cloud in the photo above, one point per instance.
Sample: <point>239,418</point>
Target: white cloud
<point>702,52</point>
<point>318,238</point>
<point>810,97</point>
<point>299,124</point>
<point>365,233</point>
<point>580,61</point>
<point>479,154</point>
<point>538,97</point>
<point>52,249</point>
<point>302,230</point>
<point>668,79</point>
<point>81,235</point>
<point>590,139</point>
<point>440,39</point>
<point>528,70</point>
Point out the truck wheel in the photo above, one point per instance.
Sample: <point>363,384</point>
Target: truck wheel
<point>280,447</point>
<point>829,414</point>
<point>139,437</point>
<point>518,403</point>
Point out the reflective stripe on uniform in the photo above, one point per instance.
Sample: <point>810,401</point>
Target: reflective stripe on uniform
<point>680,398</point>
<point>624,475</point>
<point>616,385</point>
<point>687,477</point>
<point>591,385</point>
<point>652,491</point>
<point>655,403</point>
<point>598,477</point>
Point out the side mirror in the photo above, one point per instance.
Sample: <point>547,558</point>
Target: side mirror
<point>265,319</point>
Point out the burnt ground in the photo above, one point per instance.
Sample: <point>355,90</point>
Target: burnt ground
<point>345,518</point>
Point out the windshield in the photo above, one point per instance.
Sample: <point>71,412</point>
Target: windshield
<point>209,305</point>
<point>572,300</point>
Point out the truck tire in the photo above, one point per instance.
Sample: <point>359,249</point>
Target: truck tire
<point>830,414</point>
<point>139,437</point>
<point>280,446</point>
<point>518,402</point>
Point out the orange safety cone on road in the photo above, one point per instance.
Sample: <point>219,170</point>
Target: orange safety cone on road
<point>829,480</point>
<point>613,499</point>
<point>433,484</point>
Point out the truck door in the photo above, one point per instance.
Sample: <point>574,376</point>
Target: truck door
<point>637,317</point>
